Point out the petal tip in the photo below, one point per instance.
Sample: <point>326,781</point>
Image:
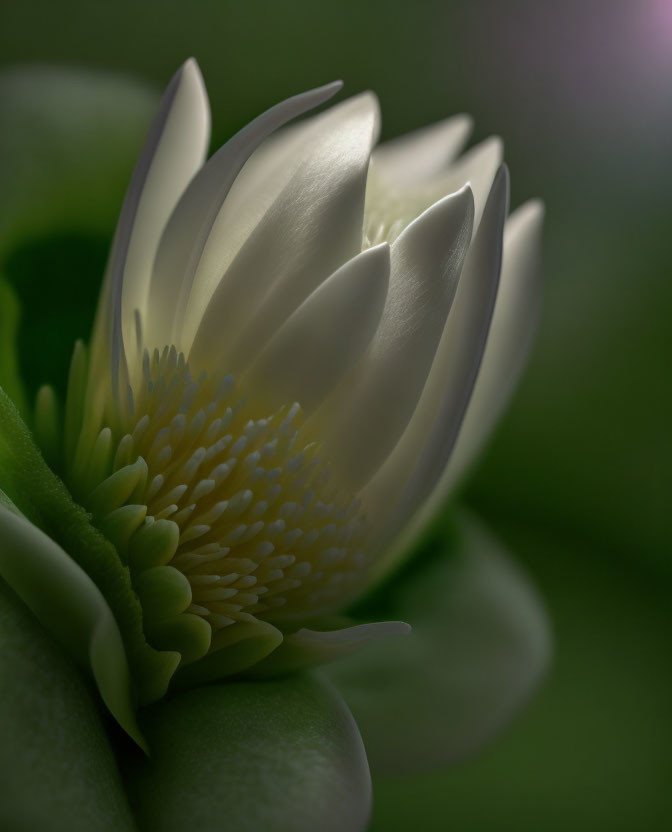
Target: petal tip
<point>379,252</point>
<point>534,211</point>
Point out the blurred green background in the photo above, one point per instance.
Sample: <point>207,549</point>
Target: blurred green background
<point>577,478</point>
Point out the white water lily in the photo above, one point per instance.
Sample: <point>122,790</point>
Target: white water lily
<point>288,339</point>
<point>299,348</point>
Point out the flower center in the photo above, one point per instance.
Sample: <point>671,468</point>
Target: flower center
<point>221,514</point>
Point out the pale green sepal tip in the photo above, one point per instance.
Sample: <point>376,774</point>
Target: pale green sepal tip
<point>116,489</point>
<point>47,424</point>
<point>120,525</point>
<point>163,591</point>
<point>190,635</point>
<point>234,649</point>
<point>154,544</point>
<point>70,607</point>
<point>307,648</point>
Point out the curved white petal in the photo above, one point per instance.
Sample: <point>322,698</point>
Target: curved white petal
<point>478,166</point>
<point>513,326</point>
<point>417,157</point>
<point>185,236</point>
<point>370,409</point>
<point>174,150</point>
<point>312,227</point>
<point>326,335</point>
<point>421,455</point>
<point>392,204</point>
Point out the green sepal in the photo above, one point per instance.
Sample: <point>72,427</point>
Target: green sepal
<point>189,634</point>
<point>163,591</point>
<point>234,649</point>
<point>154,544</point>
<point>48,427</point>
<point>283,756</point>
<point>46,502</point>
<point>57,767</point>
<point>115,490</point>
<point>120,525</point>
<point>320,643</point>
<point>70,606</point>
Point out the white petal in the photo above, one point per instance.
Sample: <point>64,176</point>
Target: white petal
<point>366,415</point>
<point>422,453</point>
<point>184,240</point>
<point>419,156</point>
<point>477,166</point>
<point>173,152</point>
<point>313,226</point>
<point>326,335</point>
<point>392,204</point>
<point>513,326</point>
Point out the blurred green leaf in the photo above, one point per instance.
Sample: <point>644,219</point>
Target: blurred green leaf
<point>57,769</point>
<point>479,645</point>
<point>592,751</point>
<point>587,445</point>
<point>68,146</point>
<point>284,756</point>
<point>67,154</point>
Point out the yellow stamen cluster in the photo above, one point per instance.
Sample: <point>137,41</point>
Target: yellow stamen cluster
<point>222,515</point>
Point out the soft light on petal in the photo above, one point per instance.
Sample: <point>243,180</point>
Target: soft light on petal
<point>367,413</point>
<point>514,323</point>
<point>174,150</point>
<point>312,227</point>
<point>175,285</point>
<point>418,157</point>
<point>478,166</point>
<point>423,451</point>
<point>326,335</point>
<point>286,346</point>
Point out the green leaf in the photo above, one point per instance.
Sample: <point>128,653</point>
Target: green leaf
<point>57,769</point>
<point>45,501</point>
<point>283,756</point>
<point>480,644</point>
<point>70,606</point>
